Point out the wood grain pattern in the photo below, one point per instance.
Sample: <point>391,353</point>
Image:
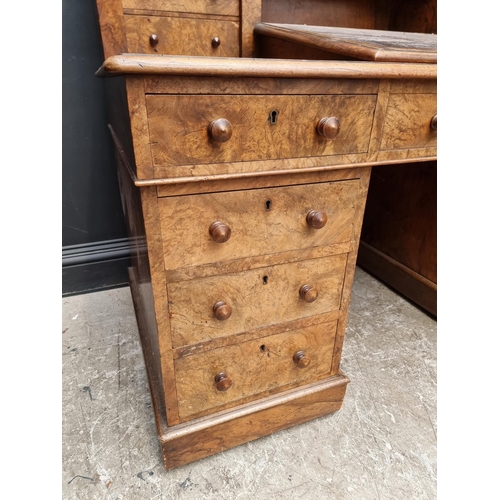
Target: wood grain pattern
<point>406,281</point>
<point>139,127</point>
<point>407,122</point>
<point>159,299</point>
<point>355,13</point>
<point>298,324</point>
<point>255,230</point>
<point>291,176</point>
<point>184,36</point>
<point>206,436</point>
<point>179,127</point>
<point>404,227</point>
<point>250,16</point>
<point>173,84</point>
<point>252,170</point>
<point>363,44</point>
<point>379,119</point>
<point>111,27</point>
<point>350,270</point>
<point>224,7</point>
<point>158,64</point>
<point>257,368</point>
<point>259,297</point>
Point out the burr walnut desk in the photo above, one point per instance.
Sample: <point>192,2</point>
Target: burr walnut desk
<point>244,190</point>
<point>244,183</point>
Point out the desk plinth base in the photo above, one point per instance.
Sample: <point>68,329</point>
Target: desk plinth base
<point>202,437</point>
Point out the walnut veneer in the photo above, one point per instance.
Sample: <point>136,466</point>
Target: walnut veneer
<point>244,184</point>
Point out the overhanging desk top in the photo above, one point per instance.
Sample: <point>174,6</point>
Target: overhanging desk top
<point>158,64</point>
<point>368,45</point>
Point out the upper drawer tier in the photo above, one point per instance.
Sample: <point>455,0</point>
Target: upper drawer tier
<point>197,129</point>
<point>220,7</point>
<point>182,36</point>
<point>255,222</point>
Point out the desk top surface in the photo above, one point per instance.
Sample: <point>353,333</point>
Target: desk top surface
<point>367,45</point>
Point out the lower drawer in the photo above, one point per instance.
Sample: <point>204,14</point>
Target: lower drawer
<point>182,36</point>
<point>253,369</point>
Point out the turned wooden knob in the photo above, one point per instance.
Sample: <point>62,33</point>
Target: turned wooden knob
<point>316,219</point>
<point>308,293</point>
<point>328,127</point>
<point>223,382</point>
<point>220,232</point>
<point>215,42</point>
<point>301,359</point>
<point>222,311</point>
<point>153,40</point>
<point>434,122</point>
<point>220,130</point>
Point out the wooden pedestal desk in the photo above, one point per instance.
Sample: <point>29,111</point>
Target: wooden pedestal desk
<point>244,190</point>
<point>244,183</point>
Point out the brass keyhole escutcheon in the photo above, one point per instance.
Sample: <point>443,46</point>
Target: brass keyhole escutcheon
<point>273,117</point>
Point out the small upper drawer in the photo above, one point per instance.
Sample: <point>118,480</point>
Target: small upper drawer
<point>219,306</point>
<point>215,227</point>
<point>409,122</point>
<point>182,36</point>
<point>197,129</point>
<point>220,7</point>
<point>252,369</point>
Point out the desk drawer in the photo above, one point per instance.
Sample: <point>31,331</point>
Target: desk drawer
<point>253,369</point>
<point>219,306</point>
<point>182,36</point>
<point>408,122</point>
<point>220,7</point>
<point>186,129</point>
<point>256,222</point>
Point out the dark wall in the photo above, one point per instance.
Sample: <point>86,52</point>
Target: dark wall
<point>93,227</point>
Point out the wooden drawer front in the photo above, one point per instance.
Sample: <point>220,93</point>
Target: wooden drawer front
<point>256,368</point>
<point>221,7</point>
<point>256,298</point>
<point>408,122</point>
<point>182,36</point>
<point>179,127</point>
<point>255,230</point>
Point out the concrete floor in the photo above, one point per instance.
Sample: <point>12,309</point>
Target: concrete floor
<point>380,445</point>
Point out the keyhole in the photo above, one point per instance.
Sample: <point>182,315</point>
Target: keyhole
<point>265,280</point>
<point>268,205</point>
<point>273,117</point>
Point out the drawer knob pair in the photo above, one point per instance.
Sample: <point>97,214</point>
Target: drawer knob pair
<point>221,130</point>
<point>223,382</point>
<point>221,232</point>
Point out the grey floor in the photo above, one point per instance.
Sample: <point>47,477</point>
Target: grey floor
<point>380,445</point>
